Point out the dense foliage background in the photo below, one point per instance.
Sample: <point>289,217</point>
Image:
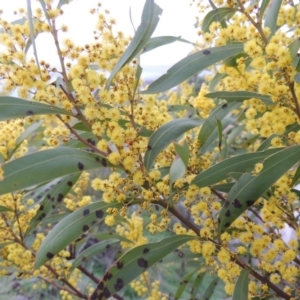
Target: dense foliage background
<point>176,190</point>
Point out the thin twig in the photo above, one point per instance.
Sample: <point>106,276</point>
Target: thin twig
<point>80,138</point>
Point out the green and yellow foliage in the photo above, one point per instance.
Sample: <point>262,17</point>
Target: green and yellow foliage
<point>95,160</point>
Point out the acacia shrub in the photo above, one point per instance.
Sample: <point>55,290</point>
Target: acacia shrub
<point>96,157</point>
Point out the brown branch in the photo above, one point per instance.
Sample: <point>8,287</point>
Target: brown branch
<point>190,225</point>
<point>80,138</point>
<point>58,286</point>
<point>264,280</point>
<point>180,217</point>
<point>88,274</point>
<point>257,25</point>
<point>66,282</point>
<point>291,86</point>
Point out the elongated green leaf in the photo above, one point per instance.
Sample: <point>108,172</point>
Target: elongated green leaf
<point>241,286</point>
<point>110,235</point>
<point>12,108</point>
<point>31,129</point>
<point>249,188</point>
<point>183,152</point>
<point>62,2</point>
<point>91,251</point>
<point>138,74</point>
<point>216,15</point>
<point>233,60</point>
<point>183,284</point>
<point>296,176</point>
<point>166,134</point>
<point>32,34</point>
<point>225,187</point>
<point>149,21</point>
<point>50,196</point>
<point>81,127</point>
<point>294,47</point>
<point>210,289</point>
<point>44,7</point>
<point>297,78</point>
<point>70,228</point>
<point>3,209</point>
<point>209,129</point>
<point>164,171</point>
<point>99,236</point>
<point>238,163</point>
<point>159,41</point>
<point>177,170</point>
<point>46,165</point>
<point>272,15</point>
<point>266,143</point>
<point>240,96</point>
<point>297,64</point>
<point>220,133</point>
<point>191,65</point>
<point>216,79</point>
<point>52,219</point>
<point>134,263</point>
<point>88,136</point>
<point>263,7</point>
<point>196,284</point>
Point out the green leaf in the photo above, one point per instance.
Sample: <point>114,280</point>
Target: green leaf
<point>241,287</point>
<point>183,152</point>
<point>294,47</point>
<point>191,65</point>
<point>297,78</point>
<point>110,235</point>
<point>75,143</point>
<point>266,143</point>
<point>91,251</point>
<point>70,228</point>
<point>225,187</point>
<point>134,262</point>
<point>138,74</point>
<point>197,282</point>
<point>272,15</point>
<point>240,96</point>
<point>210,289</point>
<point>149,21</point>
<point>166,134</point>
<point>296,177</point>
<point>81,127</point>
<point>177,169</point>
<point>50,196</point>
<point>263,7</point>
<point>4,209</point>
<point>238,163</point>
<point>216,79</point>
<point>12,108</point>
<point>297,65</point>
<point>52,219</point>
<point>249,188</point>
<point>183,284</point>
<point>216,15</point>
<point>232,61</point>
<point>209,129</point>
<point>62,2</point>
<point>32,34</point>
<point>159,41</point>
<point>43,166</point>
<point>220,133</point>
<point>31,129</point>
<point>164,171</point>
